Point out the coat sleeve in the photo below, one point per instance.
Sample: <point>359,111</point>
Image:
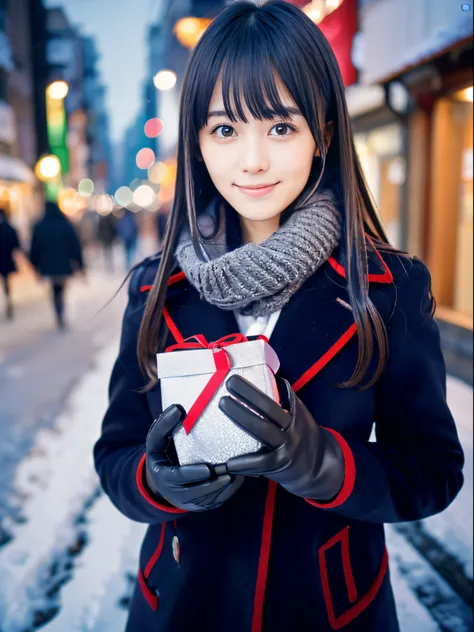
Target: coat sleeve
<point>119,453</point>
<point>414,468</point>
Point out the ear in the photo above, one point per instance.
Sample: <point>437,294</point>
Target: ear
<point>327,138</point>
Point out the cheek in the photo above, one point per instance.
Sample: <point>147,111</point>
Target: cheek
<point>295,160</point>
<point>217,162</point>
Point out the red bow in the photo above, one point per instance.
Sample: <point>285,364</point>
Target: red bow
<point>223,364</point>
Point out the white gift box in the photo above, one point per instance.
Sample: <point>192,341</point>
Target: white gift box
<point>183,375</point>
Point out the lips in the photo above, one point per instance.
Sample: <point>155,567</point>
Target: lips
<point>257,190</point>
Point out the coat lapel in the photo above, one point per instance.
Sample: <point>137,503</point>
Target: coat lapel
<point>313,327</point>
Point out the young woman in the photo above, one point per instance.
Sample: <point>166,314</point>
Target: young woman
<point>273,231</point>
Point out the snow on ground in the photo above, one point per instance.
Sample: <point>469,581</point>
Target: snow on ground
<point>454,527</point>
<point>92,601</point>
<point>424,600</point>
<point>57,480</point>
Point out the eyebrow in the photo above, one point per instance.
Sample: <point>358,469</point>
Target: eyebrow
<point>291,111</point>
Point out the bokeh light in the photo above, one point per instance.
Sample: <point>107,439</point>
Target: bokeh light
<point>145,158</point>
<point>189,31</point>
<point>157,172</point>
<point>153,127</point>
<point>48,168</point>
<point>86,187</point>
<point>57,90</point>
<point>104,204</point>
<point>165,80</point>
<point>144,196</point>
<point>123,196</point>
<point>67,201</point>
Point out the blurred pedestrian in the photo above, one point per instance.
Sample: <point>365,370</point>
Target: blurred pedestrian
<point>107,236</point>
<point>9,244</point>
<point>128,232</point>
<point>56,253</point>
<point>273,235</point>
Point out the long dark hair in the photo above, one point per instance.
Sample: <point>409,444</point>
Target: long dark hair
<point>249,45</point>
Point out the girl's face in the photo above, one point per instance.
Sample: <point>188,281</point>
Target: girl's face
<point>259,167</point>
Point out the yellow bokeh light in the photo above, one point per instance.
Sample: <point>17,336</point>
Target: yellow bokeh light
<point>67,201</point>
<point>57,90</point>
<point>189,30</point>
<point>157,172</point>
<point>48,168</point>
<point>165,80</point>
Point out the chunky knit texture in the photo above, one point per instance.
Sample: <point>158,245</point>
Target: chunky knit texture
<point>259,279</point>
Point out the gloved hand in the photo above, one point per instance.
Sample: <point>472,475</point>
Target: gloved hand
<point>298,454</point>
<point>188,487</point>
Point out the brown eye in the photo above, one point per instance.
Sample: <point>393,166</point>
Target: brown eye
<point>283,129</point>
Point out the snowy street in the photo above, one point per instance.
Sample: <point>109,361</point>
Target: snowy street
<point>63,568</point>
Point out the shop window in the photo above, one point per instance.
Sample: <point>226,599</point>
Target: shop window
<point>450,247</point>
<point>384,168</point>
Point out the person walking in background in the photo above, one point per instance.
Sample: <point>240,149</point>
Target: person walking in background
<point>107,235</point>
<point>128,233</point>
<point>56,253</point>
<point>9,243</point>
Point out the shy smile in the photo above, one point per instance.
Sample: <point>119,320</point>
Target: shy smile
<point>257,191</point>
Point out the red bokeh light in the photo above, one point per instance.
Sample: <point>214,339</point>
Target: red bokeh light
<point>153,127</point>
<point>145,158</point>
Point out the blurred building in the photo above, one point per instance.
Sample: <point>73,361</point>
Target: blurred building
<point>170,42</point>
<point>98,123</point>
<point>18,146</point>
<point>74,58</point>
<point>412,114</point>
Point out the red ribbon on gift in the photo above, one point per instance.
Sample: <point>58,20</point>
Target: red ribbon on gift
<point>223,365</point>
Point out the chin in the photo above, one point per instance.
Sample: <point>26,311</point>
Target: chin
<point>257,215</point>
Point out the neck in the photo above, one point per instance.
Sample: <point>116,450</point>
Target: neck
<point>256,232</point>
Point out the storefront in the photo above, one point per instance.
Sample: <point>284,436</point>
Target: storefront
<point>418,161</point>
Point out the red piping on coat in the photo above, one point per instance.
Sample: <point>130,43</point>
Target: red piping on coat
<point>154,558</point>
<point>349,475</point>
<point>151,598</point>
<point>146,592</point>
<point>353,612</point>
<point>172,327</point>
<point>329,355</point>
<point>383,277</point>
<point>146,495</point>
<point>264,557</point>
<point>174,278</point>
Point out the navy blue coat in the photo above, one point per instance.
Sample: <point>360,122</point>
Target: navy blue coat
<point>55,246</point>
<point>269,561</point>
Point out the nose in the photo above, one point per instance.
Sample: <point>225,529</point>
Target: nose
<point>254,158</point>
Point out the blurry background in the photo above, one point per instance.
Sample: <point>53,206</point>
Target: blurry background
<point>89,93</point>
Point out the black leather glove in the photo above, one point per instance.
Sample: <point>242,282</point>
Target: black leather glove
<point>188,487</point>
<point>298,454</point>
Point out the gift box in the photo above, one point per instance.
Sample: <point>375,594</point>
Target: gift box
<point>193,373</point>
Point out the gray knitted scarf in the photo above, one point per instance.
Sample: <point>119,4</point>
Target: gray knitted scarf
<point>259,279</point>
